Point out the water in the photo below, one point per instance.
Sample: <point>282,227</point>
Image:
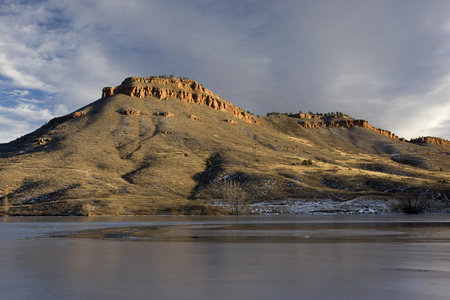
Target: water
<point>292,261</point>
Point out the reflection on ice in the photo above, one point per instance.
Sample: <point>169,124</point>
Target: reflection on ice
<point>350,257</point>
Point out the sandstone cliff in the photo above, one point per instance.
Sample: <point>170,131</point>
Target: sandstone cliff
<point>186,90</point>
<point>348,123</point>
<point>430,140</point>
<point>309,121</point>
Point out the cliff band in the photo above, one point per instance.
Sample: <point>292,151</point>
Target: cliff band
<point>186,90</point>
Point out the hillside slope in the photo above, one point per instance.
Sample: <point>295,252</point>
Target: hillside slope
<point>167,146</point>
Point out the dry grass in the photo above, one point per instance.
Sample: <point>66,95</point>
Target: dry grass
<point>108,163</point>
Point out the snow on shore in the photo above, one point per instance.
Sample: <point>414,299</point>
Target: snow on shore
<point>327,206</point>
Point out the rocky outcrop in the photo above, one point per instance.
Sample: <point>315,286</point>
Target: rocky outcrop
<point>42,141</point>
<point>130,112</point>
<point>194,118</point>
<point>348,123</point>
<point>312,125</point>
<point>317,116</point>
<point>430,140</point>
<point>186,90</point>
<point>56,121</point>
<point>305,116</point>
<point>165,114</point>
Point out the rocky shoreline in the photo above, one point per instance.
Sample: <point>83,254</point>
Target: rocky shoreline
<point>328,206</point>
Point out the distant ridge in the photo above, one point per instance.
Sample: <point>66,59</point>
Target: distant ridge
<point>165,145</point>
<point>430,140</point>
<point>319,121</point>
<point>190,91</point>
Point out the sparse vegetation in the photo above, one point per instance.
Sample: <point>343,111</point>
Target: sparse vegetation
<point>307,162</point>
<point>411,204</point>
<point>6,203</point>
<point>4,193</point>
<point>87,209</point>
<point>337,114</point>
<point>171,76</point>
<point>310,114</point>
<point>144,165</point>
<point>235,196</point>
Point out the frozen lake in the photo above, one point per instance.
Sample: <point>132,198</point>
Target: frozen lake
<point>256,257</point>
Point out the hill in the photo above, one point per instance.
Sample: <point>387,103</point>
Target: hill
<point>169,146</point>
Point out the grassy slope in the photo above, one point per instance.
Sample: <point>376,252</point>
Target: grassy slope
<point>108,163</point>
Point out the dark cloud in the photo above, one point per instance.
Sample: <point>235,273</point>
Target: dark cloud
<point>385,61</point>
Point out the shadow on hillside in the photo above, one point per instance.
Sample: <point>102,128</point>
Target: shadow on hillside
<point>214,166</point>
<point>409,160</point>
<point>25,191</point>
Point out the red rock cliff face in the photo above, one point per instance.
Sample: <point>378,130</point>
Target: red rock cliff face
<point>348,123</point>
<point>181,89</point>
<point>431,140</point>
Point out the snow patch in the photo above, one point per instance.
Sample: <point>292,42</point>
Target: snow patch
<point>323,206</point>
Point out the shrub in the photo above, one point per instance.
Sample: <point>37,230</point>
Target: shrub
<point>413,205</point>
<point>5,201</point>
<point>234,195</point>
<point>307,162</point>
<point>6,204</point>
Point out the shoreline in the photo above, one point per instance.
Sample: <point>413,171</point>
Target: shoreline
<point>360,205</point>
<point>356,206</point>
<point>328,232</point>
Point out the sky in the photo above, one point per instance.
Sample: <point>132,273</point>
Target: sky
<point>387,62</point>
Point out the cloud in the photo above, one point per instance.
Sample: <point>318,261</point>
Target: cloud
<point>29,111</point>
<point>12,129</point>
<point>384,61</point>
<point>12,120</point>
